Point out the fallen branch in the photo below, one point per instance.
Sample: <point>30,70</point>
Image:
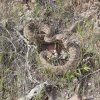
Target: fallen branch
<point>34,92</point>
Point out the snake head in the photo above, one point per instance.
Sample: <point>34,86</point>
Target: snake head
<point>35,31</point>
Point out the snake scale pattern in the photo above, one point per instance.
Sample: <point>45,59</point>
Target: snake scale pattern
<point>41,34</point>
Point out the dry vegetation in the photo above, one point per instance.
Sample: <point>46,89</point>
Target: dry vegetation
<point>23,75</point>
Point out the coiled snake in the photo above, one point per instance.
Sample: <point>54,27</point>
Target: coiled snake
<point>41,34</point>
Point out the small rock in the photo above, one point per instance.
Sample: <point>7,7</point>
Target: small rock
<point>75,97</point>
<point>33,1</point>
<point>89,84</point>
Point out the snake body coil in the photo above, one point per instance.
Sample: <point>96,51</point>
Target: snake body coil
<point>43,34</point>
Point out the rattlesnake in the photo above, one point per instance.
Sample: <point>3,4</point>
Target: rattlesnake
<point>43,35</point>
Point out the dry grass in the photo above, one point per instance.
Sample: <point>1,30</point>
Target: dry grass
<point>60,17</point>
